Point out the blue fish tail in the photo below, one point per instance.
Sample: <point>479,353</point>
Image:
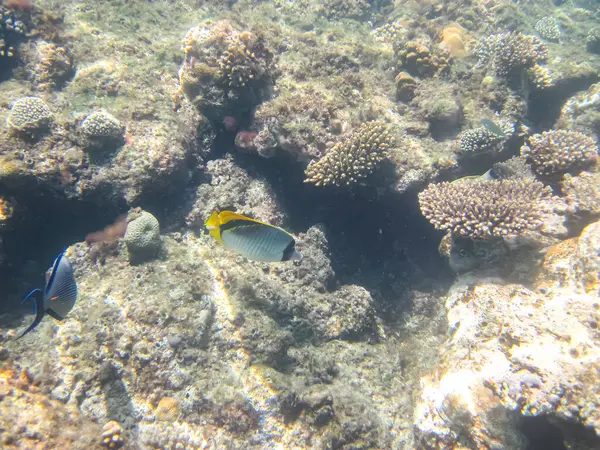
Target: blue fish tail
<point>38,310</point>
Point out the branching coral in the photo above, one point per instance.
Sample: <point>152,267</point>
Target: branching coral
<point>352,159</point>
<point>548,29</point>
<point>557,152</point>
<point>510,53</point>
<point>485,209</point>
<point>479,140</point>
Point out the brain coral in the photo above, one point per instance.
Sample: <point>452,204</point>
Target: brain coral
<point>485,209</point>
<point>142,237</point>
<point>352,159</point>
<point>557,152</point>
<point>29,114</point>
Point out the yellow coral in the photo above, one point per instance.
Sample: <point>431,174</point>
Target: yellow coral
<point>453,40</point>
<point>168,409</point>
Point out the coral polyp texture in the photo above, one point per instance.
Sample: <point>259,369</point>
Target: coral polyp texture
<point>557,152</point>
<point>29,115</point>
<point>100,124</point>
<point>479,140</point>
<point>225,70</point>
<point>352,159</point>
<point>510,53</point>
<point>420,58</point>
<point>142,237</point>
<point>486,209</point>
<point>548,29</point>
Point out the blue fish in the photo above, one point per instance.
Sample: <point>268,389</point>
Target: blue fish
<point>59,295</point>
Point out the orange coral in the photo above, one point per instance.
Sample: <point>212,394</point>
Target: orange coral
<point>453,40</point>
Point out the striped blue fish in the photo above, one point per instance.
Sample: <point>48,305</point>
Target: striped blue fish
<point>251,238</point>
<point>59,295</point>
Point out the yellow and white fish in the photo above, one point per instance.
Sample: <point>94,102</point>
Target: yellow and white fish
<point>251,238</point>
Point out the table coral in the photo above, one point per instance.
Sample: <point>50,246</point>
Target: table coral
<point>485,209</point>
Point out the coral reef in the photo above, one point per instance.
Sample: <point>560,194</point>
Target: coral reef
<point>485,209</point>
<point>352,159</point>
<point>29,115</point>
<point>142,237</point>
<point>556,152</point>
<point>100,124</point>
<point>514,350</point>
<point>12,31</point>
<point>418,59</point>
<point>478,140</point>
<point>548,29</point>
<point>226,71</point>
<point>582,193</point>
<point>593,40</point>
<point>508,54</point>
<point>53,66</point>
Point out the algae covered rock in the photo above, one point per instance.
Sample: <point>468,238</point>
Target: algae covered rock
<point>226,71</point>
<point>142,237</point>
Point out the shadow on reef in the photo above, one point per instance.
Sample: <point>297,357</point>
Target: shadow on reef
<point>52,224</point>
<point>545,433</point>
<point>380,241</point>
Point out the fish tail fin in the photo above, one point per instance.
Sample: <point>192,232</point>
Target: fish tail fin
<point>38,310</point>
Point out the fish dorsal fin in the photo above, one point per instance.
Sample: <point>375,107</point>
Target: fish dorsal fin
<point>229,216</point>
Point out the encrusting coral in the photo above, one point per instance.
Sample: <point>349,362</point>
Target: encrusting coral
<point>352,159</point>
<point>557,152</point>
<point>485,209</point>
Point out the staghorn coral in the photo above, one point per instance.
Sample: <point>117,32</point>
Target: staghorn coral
<point>557,152</point>
<point>539,77</point>
<point>29,115</point>
<point>548,29</point>
<point>352,159</point>
<point>142,237</point>
<point>225,71</point>
<point>510,53</point>
<point>485,209</point>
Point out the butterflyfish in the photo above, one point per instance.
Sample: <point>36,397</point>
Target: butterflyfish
<point>59,295</point>
<point>251,238</point>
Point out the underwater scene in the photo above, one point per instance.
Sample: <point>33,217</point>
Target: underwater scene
<point>300,224</point>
